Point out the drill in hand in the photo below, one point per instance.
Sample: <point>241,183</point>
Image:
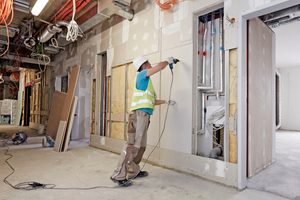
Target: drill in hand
<point>174,61</point>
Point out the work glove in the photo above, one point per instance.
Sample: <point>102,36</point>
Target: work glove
<point>170,102</point>
<point>170,60</point>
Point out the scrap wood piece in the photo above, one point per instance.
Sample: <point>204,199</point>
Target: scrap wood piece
<point>70,94</point>
<point>59,136</point>
<point>70,124</point>
<point>55,113</point>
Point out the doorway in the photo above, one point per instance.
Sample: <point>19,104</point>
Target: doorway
<point>279,178</point>
<point>27,106</point>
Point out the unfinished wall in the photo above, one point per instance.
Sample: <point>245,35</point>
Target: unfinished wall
<point>290,109</point>
<point>157,35</point>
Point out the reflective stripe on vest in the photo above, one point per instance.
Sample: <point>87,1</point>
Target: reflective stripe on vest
<point>142,93</point>
<point>143,99</point>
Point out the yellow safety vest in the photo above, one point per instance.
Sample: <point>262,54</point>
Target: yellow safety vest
<point>143,99</point>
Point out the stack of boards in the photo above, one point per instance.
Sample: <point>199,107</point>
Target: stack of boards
<point>61,115</point>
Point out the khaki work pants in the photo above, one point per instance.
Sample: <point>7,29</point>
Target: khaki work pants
<point>132,154</point>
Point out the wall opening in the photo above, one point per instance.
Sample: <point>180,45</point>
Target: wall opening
<point>210,99</point>
<point>103,94</point>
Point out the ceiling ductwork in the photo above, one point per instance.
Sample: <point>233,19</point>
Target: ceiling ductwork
<point>51,30</point>
<point>107,8</point>
<point>282,17</point>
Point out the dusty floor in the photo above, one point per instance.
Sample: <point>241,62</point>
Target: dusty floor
<point>12,129</point>
<point>83,166</point>
<point>282,177</point>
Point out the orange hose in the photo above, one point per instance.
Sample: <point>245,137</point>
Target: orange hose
<point>168,4</point>
<point>6,10</point>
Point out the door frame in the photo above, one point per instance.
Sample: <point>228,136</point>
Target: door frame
<point>242,81</point>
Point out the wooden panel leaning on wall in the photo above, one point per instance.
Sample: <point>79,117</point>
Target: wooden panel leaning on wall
<point>122,89</point>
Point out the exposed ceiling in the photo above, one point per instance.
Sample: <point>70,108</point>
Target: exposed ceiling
<point>286,25</point>
<point>29,34</point>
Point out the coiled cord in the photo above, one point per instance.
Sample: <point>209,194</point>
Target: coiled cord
<point>6,9</point>
<point>32,185</point>
<point>73,28</point>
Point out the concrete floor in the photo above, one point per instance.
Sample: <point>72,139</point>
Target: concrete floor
<point>282,177</point>
<point>12,129</point>
<point>84,166</point>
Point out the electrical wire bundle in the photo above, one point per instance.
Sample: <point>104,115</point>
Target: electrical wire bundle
<point>168,4</point>
<point>214,117</point>
<point>73,28</point>
<point>6,9</point>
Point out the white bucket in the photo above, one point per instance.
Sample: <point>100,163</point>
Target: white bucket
<point>41,129</point>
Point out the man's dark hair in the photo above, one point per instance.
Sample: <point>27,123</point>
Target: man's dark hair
<point>140,69</point>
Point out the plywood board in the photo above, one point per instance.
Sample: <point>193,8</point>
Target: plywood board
<point>118,102</point>
<point>70,125</point>
<point>118,89</point>
<point>130,81</point>
<point>60,132</point>
<point>117,130</point>
<point>232,102</point>
<point>71,89</point>
<point>57,105</point>
<point>119,117</point>
<point>261,95</point>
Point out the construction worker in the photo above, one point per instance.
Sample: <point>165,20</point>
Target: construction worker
<point>142,106</point>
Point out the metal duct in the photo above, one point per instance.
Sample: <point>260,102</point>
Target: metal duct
<point>51,50</point>
<point>107,8</point>
<point>283,16</point>
<point>126,14</point>
<point>52,30</point>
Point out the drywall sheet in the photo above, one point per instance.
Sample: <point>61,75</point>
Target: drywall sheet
<point>19,108</point>
<point>60,133</point>
<point>261,96</point>
<point>57,105</point>
<point>178,128</point>
<point>70,93</point>
<point>70,125</point>
<point>216,170</point>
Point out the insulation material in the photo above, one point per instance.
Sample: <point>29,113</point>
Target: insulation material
<point>232,103</point>
<point>261,95</point>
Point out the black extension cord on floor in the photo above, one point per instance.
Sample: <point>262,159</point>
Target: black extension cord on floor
<point>32,185</point>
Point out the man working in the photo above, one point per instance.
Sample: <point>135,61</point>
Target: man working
<point>142,106</point>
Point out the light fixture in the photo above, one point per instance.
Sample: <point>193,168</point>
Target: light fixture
<point>38,7</point>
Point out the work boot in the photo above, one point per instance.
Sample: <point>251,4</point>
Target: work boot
<point>141,174</point>
<point>122,183</point>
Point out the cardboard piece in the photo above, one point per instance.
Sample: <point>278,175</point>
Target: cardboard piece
<point>19,108</point>
<point>55,113</point>
<point>70,125</point>
<point>59,136</point>
<point>70,94</point>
